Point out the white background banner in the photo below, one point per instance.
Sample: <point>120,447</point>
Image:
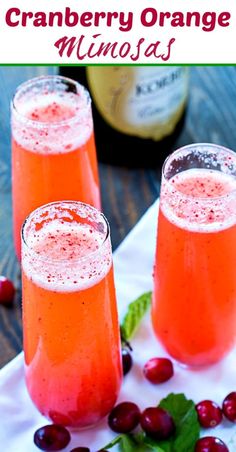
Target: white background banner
<point>118,32</point>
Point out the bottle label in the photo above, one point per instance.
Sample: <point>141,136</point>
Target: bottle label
<point>142,101</point>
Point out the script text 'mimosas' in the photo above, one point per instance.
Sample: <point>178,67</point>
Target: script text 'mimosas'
<point>83,47</point>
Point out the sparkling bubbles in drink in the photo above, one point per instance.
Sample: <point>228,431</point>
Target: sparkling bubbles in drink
<point>194,302</point>
<point>53,150</point>
<point>71,329</point>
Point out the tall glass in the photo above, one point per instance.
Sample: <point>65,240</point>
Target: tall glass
<point>194,300</point>
<point>70,323</point>
<point>53,150</point>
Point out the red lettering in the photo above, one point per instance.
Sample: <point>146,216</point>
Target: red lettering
<point>126,23</point>
<point>124,49</point>
<point>162,18</point>
<point>196,16</point>
<point>225,16</point>
<point>152,50</point>
<point>85,19</point>
<point>105,48</point>
<point>209,21</point>
<point>148,22</point>
<point>52,16</point>
<point>110,18</point>
<point>97,17</point>
<point>9,14</point>
<point>25,17</point>
<point>68,43</point>
<point>79,54</point>
<point>136,57</point>
<point>71,15</point>
<point>39,21</point>
<point>177,19</point>
<point>167,56</point>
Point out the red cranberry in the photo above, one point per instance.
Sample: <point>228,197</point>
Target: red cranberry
<point>80,449</point>
<point>210,444</point>
<point>157,423</point>
<point>158,370</point>
<point>127,361</point>
<point>124,417</point>
<point>52,437</point>
<point>7,291</point>
<point>229,407</point>
<point>209,414</point>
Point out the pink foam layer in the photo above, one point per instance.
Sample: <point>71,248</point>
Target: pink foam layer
<point>200,200</point>
<point>66,257</point>
<point>52,123</point>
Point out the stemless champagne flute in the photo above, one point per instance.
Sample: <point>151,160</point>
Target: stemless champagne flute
<point>53,150</point>
<point>194,300</point>
<point>70,322</point>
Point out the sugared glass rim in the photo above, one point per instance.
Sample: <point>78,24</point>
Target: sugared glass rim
<point>187,148</point>
<point>57,79</point>
<point>90,255</point>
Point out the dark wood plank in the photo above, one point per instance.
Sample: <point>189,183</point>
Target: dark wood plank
<point>126,193</point>
<point>10,318</point>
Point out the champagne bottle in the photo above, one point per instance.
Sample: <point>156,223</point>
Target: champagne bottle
<point>138,110</point>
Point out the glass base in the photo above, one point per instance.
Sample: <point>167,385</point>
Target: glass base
<point>199,367</point>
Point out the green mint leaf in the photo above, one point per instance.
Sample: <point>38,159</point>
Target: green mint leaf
<point>115,441</point>
<point>139,437</point>
<point>186,421</point>
<point>146,444</point>
<point>126,443</point>
<point>153,445</point>
<point>187,430</point>
<point>166,446</point>
<point>134,315</point>
<point>159,446</point>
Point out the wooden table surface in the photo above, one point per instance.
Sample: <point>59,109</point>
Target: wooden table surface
<point>126,193</point>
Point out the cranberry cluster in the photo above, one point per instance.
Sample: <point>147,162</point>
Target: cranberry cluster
<point>210,415</point>
<point>155,421</point>
<point>159,425</point>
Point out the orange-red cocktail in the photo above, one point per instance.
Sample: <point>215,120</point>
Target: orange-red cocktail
<point>53,150</point>
<point>194,302</point>
<point>70,323</point>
